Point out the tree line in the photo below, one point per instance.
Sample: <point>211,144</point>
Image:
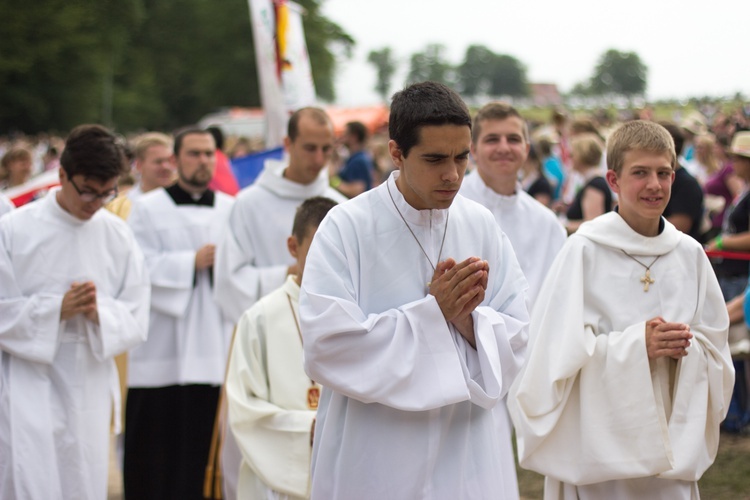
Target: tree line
<point>485,73</point>
<point>139,64</point>
<point>160,64</point>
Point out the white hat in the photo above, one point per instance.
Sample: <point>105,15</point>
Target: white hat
<point>740,144</point>
<point>694,123</point>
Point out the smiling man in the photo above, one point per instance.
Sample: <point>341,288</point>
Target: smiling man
<point>629,373</point>
<point>174,378</point>
<point>74,292</point>
<point>154,163</point>
<point>500,146</point>
<point>413,313</point>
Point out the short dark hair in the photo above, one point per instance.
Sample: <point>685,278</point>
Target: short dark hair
<point>358,130</point>
<point>179,136</point>
<point>218,136</point>
<point>317,114</point>
<point>423,104</point>
<point>677,136</point>
<point>310,214</point>
<point>94,152</point>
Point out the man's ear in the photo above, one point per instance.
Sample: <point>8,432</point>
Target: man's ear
<point>291,245</point>
<point>396,154</point>
<point>613,181</point>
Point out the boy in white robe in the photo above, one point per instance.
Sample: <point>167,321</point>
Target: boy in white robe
<point>74,292</point>
<point>629,373</point>
<point>271,400</point>
<point>174,378</point>
<point>413,312</point>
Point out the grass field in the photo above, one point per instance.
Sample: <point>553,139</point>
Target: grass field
<point>727,479</point>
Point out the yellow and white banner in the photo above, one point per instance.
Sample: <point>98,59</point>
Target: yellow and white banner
<point>283,64</point>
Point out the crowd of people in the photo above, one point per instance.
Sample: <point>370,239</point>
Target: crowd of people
<point>373,317</point>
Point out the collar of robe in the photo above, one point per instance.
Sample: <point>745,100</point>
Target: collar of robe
<point>414,217</point>
<point>611,230</point>
<point>182,197</point>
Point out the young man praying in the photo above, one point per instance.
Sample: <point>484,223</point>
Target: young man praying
<point>74,292</point>
<point>413,314</point>
<point>629,373</point>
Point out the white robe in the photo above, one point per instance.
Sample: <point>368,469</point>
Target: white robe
<point>406,406</point>
<point>252,259</point>
<point>590,409</point>
<point>58,379</point>
<point>267,399</point>
<point>189,336</point>
<point>535,232</point>
<point>5,205</point>
<point>135,192</point>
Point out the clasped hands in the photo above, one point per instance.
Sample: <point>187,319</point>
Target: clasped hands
<point>458,289</point>
<point>664,339</point>
<point>80,299</point>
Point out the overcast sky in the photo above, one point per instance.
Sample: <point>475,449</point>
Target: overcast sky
<point>691,48</point>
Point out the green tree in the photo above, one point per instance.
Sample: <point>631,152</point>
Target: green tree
<point>619,73</point>
<point>581,89</point>
<point>186,59</point>
<point>484,72</point>
<point>508,77</point>
<point>385,66</point>
<point>139,64</point>
<point>430,65</point>
<point>56,57</point>
<point>474,74</point>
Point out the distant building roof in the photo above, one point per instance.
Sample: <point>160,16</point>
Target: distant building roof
<point>545,94</point>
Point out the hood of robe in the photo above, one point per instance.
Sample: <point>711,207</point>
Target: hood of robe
<point>272,178</point>
<point>611,230</point>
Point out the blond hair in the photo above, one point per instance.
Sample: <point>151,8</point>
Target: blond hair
<point>149,139</point>
<point>638,135</point>
<point>705,152</point>
<point>587,149</point>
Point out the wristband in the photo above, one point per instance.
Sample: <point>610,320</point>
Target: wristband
<point>719,242</point>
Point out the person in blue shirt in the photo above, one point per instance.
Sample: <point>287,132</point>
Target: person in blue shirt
<point>356,175</point>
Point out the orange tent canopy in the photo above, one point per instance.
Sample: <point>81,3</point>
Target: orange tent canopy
<point>374,117</point>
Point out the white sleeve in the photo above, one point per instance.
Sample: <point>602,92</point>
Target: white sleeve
<point>29,325</point>
<point>172,272</point>
<point>408,357</point>
<point>123,318</point>
<point>240,282</point>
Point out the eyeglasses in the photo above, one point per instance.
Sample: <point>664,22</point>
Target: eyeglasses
<point>89,196</point>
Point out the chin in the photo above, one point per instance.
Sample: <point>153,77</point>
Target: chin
<point>442,204</point>
<point>85,215</point>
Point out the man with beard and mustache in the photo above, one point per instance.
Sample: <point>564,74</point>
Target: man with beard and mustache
<point>175,377</point>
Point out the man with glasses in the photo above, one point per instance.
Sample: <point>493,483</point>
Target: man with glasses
<point>74,292</point>
<point>175,377</point>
